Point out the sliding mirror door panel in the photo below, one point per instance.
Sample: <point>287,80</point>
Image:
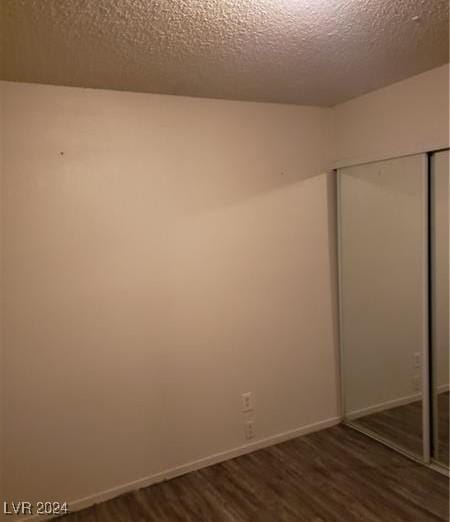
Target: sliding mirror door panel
<point>440,304</point>
<point>383,229</point>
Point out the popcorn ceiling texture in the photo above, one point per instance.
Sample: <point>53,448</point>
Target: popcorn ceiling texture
<point>317,52</point>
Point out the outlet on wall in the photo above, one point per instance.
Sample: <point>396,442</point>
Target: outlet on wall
<point>417,360</point>
<point>247,401</point>
<point>249,429</point>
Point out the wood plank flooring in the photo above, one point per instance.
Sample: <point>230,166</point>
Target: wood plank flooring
<point>443,428</point>
<point>335,475</point>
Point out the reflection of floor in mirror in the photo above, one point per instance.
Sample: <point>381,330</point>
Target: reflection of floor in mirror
<point>403,426</point>
<point>443,428</point>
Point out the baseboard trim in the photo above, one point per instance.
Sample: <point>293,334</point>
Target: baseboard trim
<point>376,408</point>
<point>82,503</point>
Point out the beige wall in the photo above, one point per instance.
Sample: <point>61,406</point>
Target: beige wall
<point>405,118</point>
<point>162,255</point>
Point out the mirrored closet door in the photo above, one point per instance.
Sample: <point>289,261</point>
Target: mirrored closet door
<point>383,260</point>
<point>439,254</point>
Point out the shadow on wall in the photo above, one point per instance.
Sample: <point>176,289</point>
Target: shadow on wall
<point>175,153</point>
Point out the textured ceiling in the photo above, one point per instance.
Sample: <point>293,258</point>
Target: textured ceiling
<point>317,52</point>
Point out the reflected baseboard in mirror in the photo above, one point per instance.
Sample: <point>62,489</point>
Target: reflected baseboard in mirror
<point>402,426</point>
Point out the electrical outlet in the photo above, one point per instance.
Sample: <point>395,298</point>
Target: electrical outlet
<point>247,401</point>
<point>249,429</point>
<point>417,360</point>
<point>416,383</point>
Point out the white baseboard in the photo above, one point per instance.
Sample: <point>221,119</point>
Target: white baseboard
<point>376,408</point>
<point>102,496</point>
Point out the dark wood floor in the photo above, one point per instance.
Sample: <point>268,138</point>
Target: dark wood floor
<point>335,475</point>
<point>403,426</point>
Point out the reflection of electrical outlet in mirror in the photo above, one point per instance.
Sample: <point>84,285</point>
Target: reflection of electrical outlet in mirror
<point>247,401</point>
<point>249,430</point>
<point>416,383</point>
<point>417,360</point>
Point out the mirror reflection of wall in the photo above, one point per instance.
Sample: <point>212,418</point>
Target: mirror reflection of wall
<point>394,301</point>
<point>383,292</point>
<point>440,303</point>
